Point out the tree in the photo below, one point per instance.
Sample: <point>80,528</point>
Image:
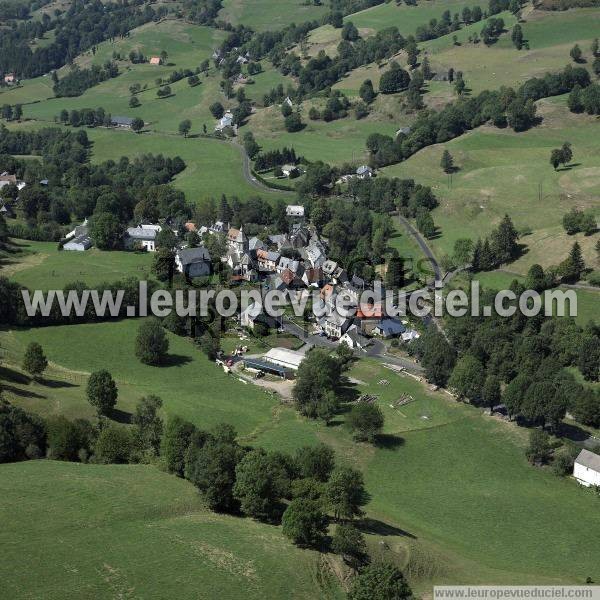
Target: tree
<point>134,102</point>
<point>466,379</point>
<point>151,344</point>
<point>148,426</point>
<point>175,442</point>
<point>212,470</point>
<point>572,268</point>
<point>491,394</point>
<point>517,36</point>
<point>68,440</point>
<point>18,112</point>
<point>184,127</point>
<point>106,231</point>
<point>425,222</point>
<point>315,462</point>
<point>349,32</point>
<point>394,80</point>
<point>350,544</point>
<point>163,264</point>
<point>395,275</point>
<point>113,446</point>
<point>304,523</point>
<point>345,493</point>
<point>437,356</point>
<point>539,450</point>
<point>594,47</point>
<point>575,104</point>
<point>34,360</point>
<point>381,581</point>
<point>447,162</point>
<point>366,91</point>
<point>293,122</point>
<point>260,483</point>
<point>576,53</point>
<point>365,421</point>
<point>102,392</point>
<point>217,110</point>
<point>589,358</point>
<point>166,239</point>
<point>137,124</point>
<point>463,251</point>
<point>193,80</point>
<point>319,373</point>
<point>504,241</point>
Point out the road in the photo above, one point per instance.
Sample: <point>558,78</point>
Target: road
<point>437,271</point>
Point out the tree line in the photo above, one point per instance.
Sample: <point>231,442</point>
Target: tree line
<point>78,80</point>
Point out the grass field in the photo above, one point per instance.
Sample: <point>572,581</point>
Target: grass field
<point>134,532</point>
<point>40,265</point>
<point>270,15</point>
<point>501,172</point>
<point>189,384</point>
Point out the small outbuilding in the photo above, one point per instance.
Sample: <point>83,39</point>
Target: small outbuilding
<point>587,468</point>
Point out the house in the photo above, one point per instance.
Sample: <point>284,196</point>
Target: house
<point>288,101</point>
<point>225,121</point>
<point>315,255</point>
<point>335,325</point>
<point>237,240</point>
<point>255,244</point>
<point>354,339</point>
<point>587,468</point>
<point>403,131</point>
<point>155,60</point>
<point>267,261</point>
<point>6,210</point>
<point>143,236</point>
<point>79,230</point>
<point>79,243</point>
<point>193,262</point>
<point>218,227</point>
<point>364,172</point>
<point>313,276</point>
<point>290,171</point>
<point>10,79</point>
<point>332,270</point>
<point>7,179</point>
<point>241,79</point>
<point>299,236</point>
<point>294,210</point>
<point>389,328</point>
<point>241,60</point>
<point>254,314</point>
<point>287,264</point>
<point>410,335</point>
<point>281,240</point>
<point>123,122</point>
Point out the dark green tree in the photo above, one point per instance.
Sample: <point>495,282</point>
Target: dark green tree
<point>102,392</point>
<point>151,344</point>
<point>365,421</point>
<point>34,360</point>
<point>304,523</point>
<point>381,581</point>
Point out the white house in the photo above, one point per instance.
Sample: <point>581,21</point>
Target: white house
<point>353,338</point>
<point>335,325</point>
<point>294,210</point>
<point>587,468</point>
<point>225,121</point>
<point>144,236</point>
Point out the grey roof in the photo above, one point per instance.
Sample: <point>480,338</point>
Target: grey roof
<point>83,240</point>
<point>589,459</point>
<point>363,169</point>
<point>255,244</point>
<point>141,233</point>
<point>391,327</point>
<point>121,121</point>
<point>189,256</point>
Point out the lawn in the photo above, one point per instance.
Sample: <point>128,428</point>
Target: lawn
<point>133,532</point>
<point>40,265</point>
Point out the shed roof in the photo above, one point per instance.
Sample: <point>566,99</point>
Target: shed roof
<point>589,459</point>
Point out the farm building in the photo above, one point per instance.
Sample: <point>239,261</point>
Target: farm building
<point>364,172</point>
<point>80,243</point>
<point>289,359</point>
<point>124,122</point>
<point>587,468</point>
<point>10,79</point>
<point>155,60</point>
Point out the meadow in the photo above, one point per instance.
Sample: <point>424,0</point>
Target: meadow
<point>438,479</point>
<point>40,265</point>
<point>130,531</point>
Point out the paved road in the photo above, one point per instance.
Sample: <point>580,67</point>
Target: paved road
<point>424,247</point>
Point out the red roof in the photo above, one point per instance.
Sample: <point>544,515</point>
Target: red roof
<point>370,311</point>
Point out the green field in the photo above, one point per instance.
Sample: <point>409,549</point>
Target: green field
<point>189,384</point>
<point>40,265</point>
<point>91,531</point>
<point>270,15</point>
<point>501,172</point>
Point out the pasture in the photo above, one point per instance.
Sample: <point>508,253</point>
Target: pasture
<point>130,531</point>
<point>501,172</point>
<point>40,265</point>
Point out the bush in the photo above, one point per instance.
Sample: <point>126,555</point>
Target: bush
<point>304,523</point>
<point>366,421</point>
<point>113,446</point>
